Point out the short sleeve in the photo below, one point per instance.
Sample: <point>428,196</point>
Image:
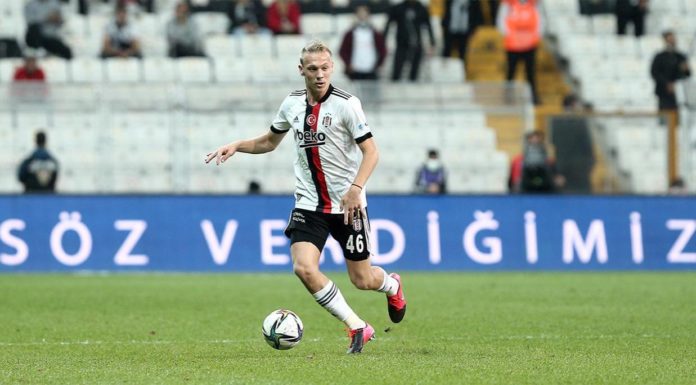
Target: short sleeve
<point>356,122</point>
<point>281,124</point>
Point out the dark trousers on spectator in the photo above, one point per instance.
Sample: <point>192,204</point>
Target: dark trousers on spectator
<point>529,58</point>
<point>36,39</point>
<point>9,48</point>
<point>669,109</point>
<point>413,55</point>
<point>180,50</point>
<point>461,40</point>
<point>638,20</point>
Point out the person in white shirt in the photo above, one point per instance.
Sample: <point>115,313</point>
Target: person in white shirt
<point>363,48</point>
<point>335,156</point>
<point>120,39</point>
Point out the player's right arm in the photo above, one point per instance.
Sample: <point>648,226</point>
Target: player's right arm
<point>259,145</point>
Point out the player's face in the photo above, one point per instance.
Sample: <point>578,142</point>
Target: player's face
<point>317,68</point>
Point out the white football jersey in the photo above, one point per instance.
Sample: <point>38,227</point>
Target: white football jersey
<point>326,138</point>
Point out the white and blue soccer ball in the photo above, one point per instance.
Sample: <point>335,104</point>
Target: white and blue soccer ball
<point>282,329</point>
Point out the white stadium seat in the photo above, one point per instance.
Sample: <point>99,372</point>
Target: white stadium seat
<point>7,69</point>
<point>85,46</point>
<point>446,70</point>
<point>256,46</point>
<point>269,70</point>
<point>154,46</point>
<point>86,70</point>
<point>315,25</point>
<point>56,69</point>
<point>650,45</point>
<point>193,70</point>
<point>148,25</point>
<point>232,69</point>
<point>289,46</point>
<point>604,24</point>
<point>211,23</point>
<point>159,70</point>
<point>345,22</point>
<point>220,46</point>
<point>667,6</point>
<point>96,23</point>
<point>620,46</point>
<point>122,70</point>
<point>10,27</point>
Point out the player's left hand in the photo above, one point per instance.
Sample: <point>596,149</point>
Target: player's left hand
<point>350,204</point>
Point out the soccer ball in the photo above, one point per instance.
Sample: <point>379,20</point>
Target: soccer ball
<point>282,329</point>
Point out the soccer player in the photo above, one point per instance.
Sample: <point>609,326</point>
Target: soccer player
<point>329,128</point>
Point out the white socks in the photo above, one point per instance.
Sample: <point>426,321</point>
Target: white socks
<point>331,299</point>
<point>390,285</point>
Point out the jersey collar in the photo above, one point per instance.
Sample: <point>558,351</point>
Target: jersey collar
<point>323,98</point>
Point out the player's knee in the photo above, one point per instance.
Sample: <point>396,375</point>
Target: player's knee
<point>304,272</point>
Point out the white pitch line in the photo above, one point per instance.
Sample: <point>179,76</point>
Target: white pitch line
<point>382,337</point>
<point>130,342</point>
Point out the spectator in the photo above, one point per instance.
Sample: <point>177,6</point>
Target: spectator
<point>283,17</point>
<point>254,188</point>
<point>247,16</point>
<point>667,68</point>
<point>44,19</point>
<point>182,34</point>
<point>677,187</point>
<point>39,172</point>
<point>520,23</point>
<point>572,140</point>
<point>458,25</point>
<point>376,6</point>
<point>120,39</point>
<point>410,17</point>
<point>29,71</point>
<point>431,177</point>
<point>363,49</point>
<point>631,11</point>
<point>534,171</point>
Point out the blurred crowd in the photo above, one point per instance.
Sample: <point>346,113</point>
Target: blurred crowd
<point>364,47</point>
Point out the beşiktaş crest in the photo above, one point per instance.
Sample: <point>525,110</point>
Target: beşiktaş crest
<point>326,121</point>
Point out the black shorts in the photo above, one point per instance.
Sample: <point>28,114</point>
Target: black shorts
<point>314,227</point>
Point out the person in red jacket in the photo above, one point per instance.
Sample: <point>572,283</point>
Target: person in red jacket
<point>283,17</point>
<point>520,23</point>
<point>29,71</point>
<point>363,49</point>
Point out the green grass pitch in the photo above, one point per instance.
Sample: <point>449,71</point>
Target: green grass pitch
<point>461,328</point>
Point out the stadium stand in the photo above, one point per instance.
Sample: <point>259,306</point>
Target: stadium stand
<point>144,143</point>
<point>159,116</point>
<point>614,76</point>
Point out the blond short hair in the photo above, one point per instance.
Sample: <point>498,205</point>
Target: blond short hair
<point>313,47</point>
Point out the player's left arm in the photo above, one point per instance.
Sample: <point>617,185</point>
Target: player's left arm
<point>369,161</point>
<point>351,202</point>
<point>357,124</point>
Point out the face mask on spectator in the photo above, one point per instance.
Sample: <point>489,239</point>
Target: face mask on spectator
<point>432,164</point>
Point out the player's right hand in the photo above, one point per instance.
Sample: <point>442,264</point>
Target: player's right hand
<point>221,154</point>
